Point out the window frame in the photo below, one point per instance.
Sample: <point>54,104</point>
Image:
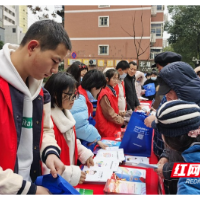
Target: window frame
<point>103,45</point>
<point>99,21</point>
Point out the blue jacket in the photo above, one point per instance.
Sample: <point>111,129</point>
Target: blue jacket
<point>181,77</point>
<point>190,155</point>
<point>84,130</point>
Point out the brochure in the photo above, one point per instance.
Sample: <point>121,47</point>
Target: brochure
<point>133,160</point>
<point>124,187</point>
<point>111,143</point>
<point>106,163</point>
<point>130,174</point>
<point>97,174</point>
<point>144,165</point>
<point>112,155</point>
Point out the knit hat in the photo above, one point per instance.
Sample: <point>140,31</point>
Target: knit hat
<point>177,117</point>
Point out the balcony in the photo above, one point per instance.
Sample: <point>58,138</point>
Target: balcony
<point>153,10</point>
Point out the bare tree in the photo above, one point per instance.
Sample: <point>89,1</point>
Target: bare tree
<point>137,44</point>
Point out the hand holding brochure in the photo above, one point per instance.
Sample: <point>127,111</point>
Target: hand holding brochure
<point>153,166</point>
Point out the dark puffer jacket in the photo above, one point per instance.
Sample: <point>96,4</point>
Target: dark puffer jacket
<point>180,77</point>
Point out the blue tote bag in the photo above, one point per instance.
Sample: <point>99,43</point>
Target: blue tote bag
<point>137,140</point>
<point>150,89</point>
<point>56,185</point>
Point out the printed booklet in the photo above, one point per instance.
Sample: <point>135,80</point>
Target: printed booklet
<point>111,143</point>
<point>112,155</point>
<point>114,186</point>
<point>130,174</point>
<point>134,160</point>
<point>97,174</point>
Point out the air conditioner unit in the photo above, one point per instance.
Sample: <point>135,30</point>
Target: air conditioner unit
<point>153,10</point>
<point>153,38</point>
<point>92,62</point>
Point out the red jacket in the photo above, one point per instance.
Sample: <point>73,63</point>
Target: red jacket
<point>105,127</point>
<point>9,142</point>
<point>64,155</point>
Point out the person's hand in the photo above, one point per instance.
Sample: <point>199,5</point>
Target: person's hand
<point>122,114</point>
<point>151,110</point>
<point>90,162</point>
<point>82,178</point>
<point>42,190</point>
<point>143,92</point>
<point>102,145</point>
<point>161,163</point>
<point>55,165</point>
<point>92,143</point>
<point>149,120</point>
<point>159,171</point>
<point>139,107</point>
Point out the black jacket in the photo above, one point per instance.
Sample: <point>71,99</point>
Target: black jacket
<point>131,96</point>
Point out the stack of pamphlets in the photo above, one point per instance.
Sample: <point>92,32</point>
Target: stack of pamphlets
<point>105,163</point>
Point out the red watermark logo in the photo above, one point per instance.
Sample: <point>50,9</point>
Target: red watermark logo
<point>185,170</point>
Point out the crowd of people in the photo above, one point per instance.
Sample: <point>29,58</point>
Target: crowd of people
<point>56,125</point>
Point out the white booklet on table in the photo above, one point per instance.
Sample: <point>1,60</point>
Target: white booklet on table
<point>118,154</point>
<point>134,160</point>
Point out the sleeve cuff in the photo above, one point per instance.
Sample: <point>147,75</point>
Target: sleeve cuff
<point>50,150</point>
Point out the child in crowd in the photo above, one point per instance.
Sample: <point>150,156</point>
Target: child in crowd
<point>82,110</point>
<point>108,120</point>
<point>27,135</point>
<point>154,80</point>
<point>140,79</point>
<point>78,70</point>
<point>179,123</point>
<point>63,91</point>
<point>122,68</point>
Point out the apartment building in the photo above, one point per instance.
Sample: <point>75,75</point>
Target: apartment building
<point>1,24</point>
<point>15,23</point>
<point>102,35</point>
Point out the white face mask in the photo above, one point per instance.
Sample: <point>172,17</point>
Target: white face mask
<point>153,78</point>
<point>81,78</point>
<point>123,76</point>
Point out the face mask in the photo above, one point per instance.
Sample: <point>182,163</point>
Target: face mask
<point>122,76</point>
<point>153,78</point>
<point>81,78</point>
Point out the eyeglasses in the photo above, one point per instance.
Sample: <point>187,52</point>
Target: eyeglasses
<point>83,67</point>
<point>70,96</point>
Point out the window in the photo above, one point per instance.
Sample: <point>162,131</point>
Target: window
<point>14,30</point>
<point>157,28</point>
<point>103,6</point>
<point>159,7</point>
<point>103,21</point>
<point>154,52</point>
<point>103,50</point>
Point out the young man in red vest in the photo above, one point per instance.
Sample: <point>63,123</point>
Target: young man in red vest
<point>25,125</point>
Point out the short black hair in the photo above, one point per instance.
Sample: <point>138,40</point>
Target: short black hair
<point>110,73</point>
<point>154,72</point>
<point>75,70</point>
<point>49,33</point>
<point>133,63</point>
<point>93,78</point>
<point>56,84</point>
<point>123,64</point>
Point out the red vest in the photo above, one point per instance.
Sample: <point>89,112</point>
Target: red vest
<point>105,127</point>
<point>89,104</point>
<point>64,155</point>
<point>117,90</point>
<point>8,141</point>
